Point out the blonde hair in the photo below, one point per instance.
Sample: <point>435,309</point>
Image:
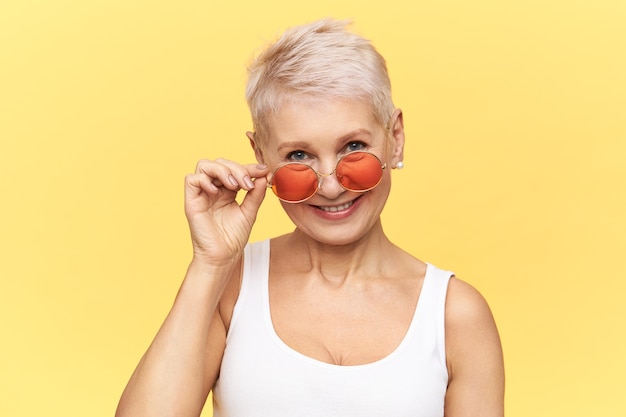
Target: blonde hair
<point>317,61</point>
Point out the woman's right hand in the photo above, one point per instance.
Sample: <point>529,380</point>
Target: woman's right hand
<point>220,226</point>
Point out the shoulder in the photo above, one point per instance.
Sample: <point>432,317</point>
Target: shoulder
<point>473,353</point>
<point>468,318</point>
<point>465,305</point>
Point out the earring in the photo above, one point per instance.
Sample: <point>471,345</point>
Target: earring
<point>400,165</point>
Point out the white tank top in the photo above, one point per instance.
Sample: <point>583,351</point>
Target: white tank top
<point>261,376</point>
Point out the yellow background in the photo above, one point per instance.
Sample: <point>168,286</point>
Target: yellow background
<point>515,178</point>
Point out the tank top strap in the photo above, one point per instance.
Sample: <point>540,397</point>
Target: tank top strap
<point>431,307</point>
<point>255,274</point>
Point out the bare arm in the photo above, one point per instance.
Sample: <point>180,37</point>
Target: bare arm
<point>178,370</point>
<point>181,365</point>
<point>474,352</point>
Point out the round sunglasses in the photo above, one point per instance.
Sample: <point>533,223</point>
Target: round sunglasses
<point>358,171</point>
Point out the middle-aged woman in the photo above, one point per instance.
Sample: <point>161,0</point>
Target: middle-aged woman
<point>332,319</point>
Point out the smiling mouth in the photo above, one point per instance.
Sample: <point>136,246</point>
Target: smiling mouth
<point>333,209</point>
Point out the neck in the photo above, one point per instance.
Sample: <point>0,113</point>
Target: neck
<point>336,264</point>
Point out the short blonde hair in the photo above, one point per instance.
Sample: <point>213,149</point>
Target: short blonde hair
<point>317,61</point>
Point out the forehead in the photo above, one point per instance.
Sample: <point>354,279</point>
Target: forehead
<point>320,120</point>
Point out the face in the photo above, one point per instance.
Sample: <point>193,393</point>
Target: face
<point>319,133</point>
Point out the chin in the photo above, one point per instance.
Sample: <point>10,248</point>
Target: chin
<point>336,234</point>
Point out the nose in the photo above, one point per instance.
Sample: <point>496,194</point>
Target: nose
<point>329,186</point>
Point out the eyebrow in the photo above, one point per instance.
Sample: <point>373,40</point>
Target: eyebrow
<point>298,144</point>
<point>358,132</point>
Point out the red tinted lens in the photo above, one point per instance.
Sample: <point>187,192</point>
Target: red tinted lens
<point>359,171</point>
<point>294,182</point>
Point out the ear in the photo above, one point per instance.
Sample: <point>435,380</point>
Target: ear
<point>396,132</point>
<point>258,152</point>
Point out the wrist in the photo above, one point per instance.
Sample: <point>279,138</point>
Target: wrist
<point>212,266</point>
<point>207,278</point>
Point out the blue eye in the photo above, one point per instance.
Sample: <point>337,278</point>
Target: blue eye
<point>355,146</point>
<point>297,155</point>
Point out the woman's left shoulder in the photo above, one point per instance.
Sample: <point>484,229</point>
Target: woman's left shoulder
<point>470,328</point>
<point>473,354</point>
<point>465,304</point>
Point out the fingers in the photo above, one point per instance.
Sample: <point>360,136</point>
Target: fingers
<point>195,184</point>
<point>253,199</point>
<point>229,174</point>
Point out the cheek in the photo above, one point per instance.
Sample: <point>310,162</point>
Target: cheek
<point>384,188</point>
<point>385,182</point>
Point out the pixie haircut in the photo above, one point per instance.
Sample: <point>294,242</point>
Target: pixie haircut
<point>317,61</point>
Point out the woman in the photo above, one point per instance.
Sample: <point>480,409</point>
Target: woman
<point>332,319</point>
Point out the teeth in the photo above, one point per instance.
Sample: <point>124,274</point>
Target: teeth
<point>337,208</point>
